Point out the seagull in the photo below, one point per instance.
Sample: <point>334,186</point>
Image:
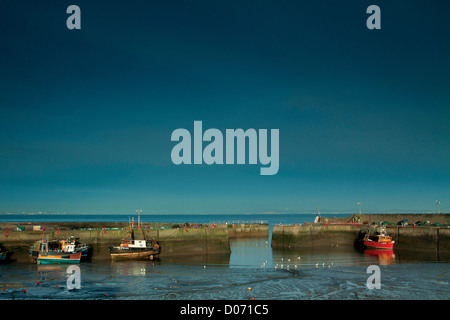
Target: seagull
<point>317,265</point>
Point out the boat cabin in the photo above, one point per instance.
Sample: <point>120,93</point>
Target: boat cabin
<point>384,238</point>
<point>67,246</point>
<point>133,243</point>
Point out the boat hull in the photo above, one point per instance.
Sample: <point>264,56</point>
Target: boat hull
<point>133,255</point>
<point>36,252</point>
<point>59,258</point>
<point>86,253</point>
<point>379,245</point>
<point>5,256</point>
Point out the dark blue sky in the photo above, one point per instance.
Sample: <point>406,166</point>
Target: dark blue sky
<point>86,115</point>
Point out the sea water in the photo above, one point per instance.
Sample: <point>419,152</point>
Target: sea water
<point>253,270</point>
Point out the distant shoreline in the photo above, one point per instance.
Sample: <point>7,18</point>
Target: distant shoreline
<point>215,214</point>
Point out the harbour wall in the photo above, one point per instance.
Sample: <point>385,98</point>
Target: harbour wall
<point>410,237</point>
<point>421,237</point>
<point>314,235</point>
<point>175,240</point>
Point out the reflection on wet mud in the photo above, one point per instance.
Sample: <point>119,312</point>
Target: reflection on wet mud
<point>384,256</point>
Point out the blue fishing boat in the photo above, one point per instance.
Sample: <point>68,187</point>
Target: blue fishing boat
<point>51,256</point>
<point>74,245</point>
<point>49,250</point>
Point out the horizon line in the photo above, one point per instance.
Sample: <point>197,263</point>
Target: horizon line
<point>246,213</point>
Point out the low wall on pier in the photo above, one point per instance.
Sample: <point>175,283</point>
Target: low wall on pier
<point>246,230</point>
<point>443,218</point>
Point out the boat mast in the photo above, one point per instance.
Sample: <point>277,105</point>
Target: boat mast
<point>139,216</point>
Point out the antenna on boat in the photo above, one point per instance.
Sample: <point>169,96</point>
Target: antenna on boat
<point>360,215</point>
<point>139,216</point>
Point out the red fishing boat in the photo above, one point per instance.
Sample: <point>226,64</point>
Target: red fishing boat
<point>378,241</point>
